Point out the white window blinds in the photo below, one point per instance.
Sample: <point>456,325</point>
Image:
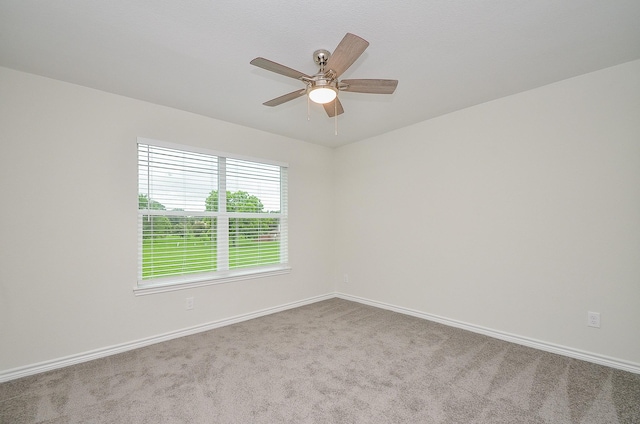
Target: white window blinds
<point>205,216</point>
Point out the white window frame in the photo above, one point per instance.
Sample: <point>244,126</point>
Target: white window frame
<point>185,281</point>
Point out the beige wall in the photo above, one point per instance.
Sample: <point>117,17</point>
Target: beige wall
<point>518,215</point>
<point>68,227</point>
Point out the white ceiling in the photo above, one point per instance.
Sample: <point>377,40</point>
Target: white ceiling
<point>194,55</point>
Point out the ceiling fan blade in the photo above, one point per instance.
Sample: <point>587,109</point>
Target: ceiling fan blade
<point>272,66</point>
<point>375,86</point>
<point>285,98</point>
<point>330,108</point>
<point>347,52</point>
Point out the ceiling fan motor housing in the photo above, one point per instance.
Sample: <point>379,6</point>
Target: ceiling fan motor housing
<point>322,82</point>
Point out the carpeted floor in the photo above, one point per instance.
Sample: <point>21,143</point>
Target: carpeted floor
<point>330,362</point>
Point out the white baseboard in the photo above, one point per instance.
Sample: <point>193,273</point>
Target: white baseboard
<point>525,341</point>
<point>124,347</point>
<point>25,371</point>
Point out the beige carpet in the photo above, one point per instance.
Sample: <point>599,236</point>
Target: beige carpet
<point>329,362</point>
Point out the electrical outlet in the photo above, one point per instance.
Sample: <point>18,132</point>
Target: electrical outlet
<point>345,278</point>
<point>189,303</point>
<point>593,319</point>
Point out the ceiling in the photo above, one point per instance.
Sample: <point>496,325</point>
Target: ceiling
<point>194,55</point>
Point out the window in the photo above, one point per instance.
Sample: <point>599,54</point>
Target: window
<point>205,218</point>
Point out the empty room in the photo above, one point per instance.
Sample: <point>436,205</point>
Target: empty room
<point>336,212</point>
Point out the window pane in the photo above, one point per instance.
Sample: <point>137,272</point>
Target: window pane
<point>170,179</point>
<point>186,245</point>
<point>254,187</point>
<point>253,241</point>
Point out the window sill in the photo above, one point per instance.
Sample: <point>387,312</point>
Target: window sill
<point>181,283</point>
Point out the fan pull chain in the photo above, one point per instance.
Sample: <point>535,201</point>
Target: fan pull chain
<point>308,109</point>
<point>335,111</point>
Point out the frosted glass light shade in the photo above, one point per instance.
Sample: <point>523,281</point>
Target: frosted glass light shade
<point>322,95</point>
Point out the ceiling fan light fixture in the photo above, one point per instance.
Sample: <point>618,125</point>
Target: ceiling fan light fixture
<point>323,94</point>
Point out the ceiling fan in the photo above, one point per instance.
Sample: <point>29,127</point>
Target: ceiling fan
<point>323,87</point>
